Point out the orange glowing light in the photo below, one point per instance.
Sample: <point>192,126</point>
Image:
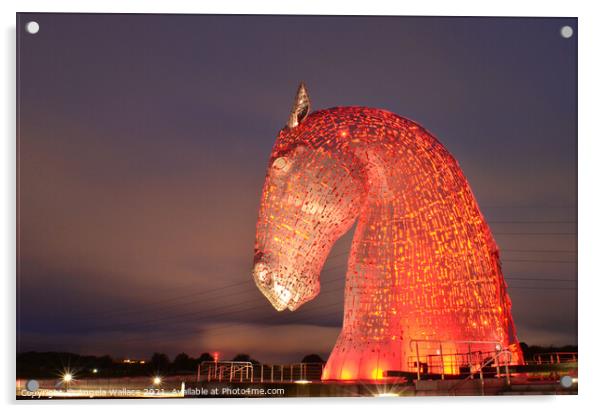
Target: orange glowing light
<point>377,374</point>
<point>423,264</point>
<point>346,375</point>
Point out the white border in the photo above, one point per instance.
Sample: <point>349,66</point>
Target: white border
<point>590,151</point>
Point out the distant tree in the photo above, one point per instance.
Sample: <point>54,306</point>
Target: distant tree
<point>105,362</point>
<point>312,358</point>
<point>245,357</point>
<point>205,357</point>
<point>529,352</point>
<point>160,362</point>
<point>183,362</point>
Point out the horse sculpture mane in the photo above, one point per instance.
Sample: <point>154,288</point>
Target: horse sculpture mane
<point>424,275</point>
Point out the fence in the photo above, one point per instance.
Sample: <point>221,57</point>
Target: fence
<point>233,371</point>
<point>437,357</point>
<point>554,358</point>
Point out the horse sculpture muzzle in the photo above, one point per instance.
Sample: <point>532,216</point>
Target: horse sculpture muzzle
<point>275,282</point>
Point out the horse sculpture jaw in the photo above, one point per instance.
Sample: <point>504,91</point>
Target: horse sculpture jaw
<point>274,287</point>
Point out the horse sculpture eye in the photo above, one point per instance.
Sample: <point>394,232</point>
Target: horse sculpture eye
<point>281,164</point>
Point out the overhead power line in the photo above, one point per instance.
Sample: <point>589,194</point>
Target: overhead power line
<point>299,320</point>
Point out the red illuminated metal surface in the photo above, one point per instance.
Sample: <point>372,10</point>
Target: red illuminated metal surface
<point>423,264</point>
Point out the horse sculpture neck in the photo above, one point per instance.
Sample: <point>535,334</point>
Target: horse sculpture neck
<point>423,263</point>
<point>423,272</point>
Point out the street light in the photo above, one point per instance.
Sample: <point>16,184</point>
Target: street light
<point>67,378</point>
<point>156,380</point>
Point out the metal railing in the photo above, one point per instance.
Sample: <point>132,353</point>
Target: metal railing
<point>226,371</point>
<point>487,364</point>
<point>292,373</point>
<point>441,357</point>
<point>231,371</point>
<point>555,358</point>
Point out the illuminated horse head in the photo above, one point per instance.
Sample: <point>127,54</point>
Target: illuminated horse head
<point>423,274</point>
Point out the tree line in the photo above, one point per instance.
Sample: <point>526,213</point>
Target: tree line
<point>53,364</point>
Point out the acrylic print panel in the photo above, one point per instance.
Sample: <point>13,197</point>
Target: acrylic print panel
<point>407,227</point>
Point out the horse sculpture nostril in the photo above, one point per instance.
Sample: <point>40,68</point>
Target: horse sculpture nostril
<point>262,275</point>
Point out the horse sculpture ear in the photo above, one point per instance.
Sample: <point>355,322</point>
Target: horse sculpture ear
<point>301,107</point>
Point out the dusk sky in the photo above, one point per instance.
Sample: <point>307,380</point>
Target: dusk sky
<point>144,141</point>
